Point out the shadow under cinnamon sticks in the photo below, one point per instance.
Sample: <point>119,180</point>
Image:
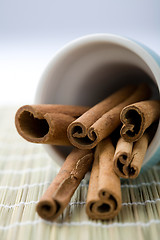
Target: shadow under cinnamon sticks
<point>46,123</point>
<point>104,192</point>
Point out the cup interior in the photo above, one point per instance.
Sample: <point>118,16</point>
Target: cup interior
<point>87,71</point>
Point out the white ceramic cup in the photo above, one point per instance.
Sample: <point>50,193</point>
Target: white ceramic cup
<point>88,69</point>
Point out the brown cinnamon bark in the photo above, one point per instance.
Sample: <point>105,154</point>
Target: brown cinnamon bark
<point>40,110</point>
<point>104,192</point>
<point>59,193</point>
<point>122,157</point>
<point>136,118</point>
<point>138,154</point>
<point>84,137</point>
<point>78,130</point>
<point>46,123</point>
<point>128,158</point>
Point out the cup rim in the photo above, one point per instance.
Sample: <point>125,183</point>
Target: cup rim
<point>124,42</point>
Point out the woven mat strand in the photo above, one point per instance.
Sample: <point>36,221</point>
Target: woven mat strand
<point>25,173</point>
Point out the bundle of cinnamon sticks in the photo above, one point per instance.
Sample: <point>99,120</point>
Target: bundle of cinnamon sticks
<point>97,149</point>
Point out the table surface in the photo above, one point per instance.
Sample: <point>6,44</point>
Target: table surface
<point>25,173</point>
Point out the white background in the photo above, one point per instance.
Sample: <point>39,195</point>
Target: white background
<point>31,31</point>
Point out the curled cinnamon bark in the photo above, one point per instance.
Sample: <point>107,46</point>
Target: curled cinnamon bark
<point>138,154</point>
<point>104,192</point>
<point>40,110</point>
<point>136,118</point>
<point>128,158</point>
<point>59,193</point>
<point>78,130</point>
<point>46,123</point>
<point>122,157</point>
<point>84,136</point>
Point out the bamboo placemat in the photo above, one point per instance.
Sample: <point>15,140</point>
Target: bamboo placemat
<point>25,173</point>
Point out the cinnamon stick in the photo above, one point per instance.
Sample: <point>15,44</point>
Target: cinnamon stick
<point>86,137</point>
<point>122,157</point>
<point>139,151</point>
<point>78,130</point>
<point>59,193</point>
<point>137,117</point>
<point>46,123</point>
<point>128,158</point>
<point>104,192</point>
<point>40,110</point>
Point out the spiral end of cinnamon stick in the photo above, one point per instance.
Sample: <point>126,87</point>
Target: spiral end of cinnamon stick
<point>107,207</point>
<point>126,170</point>
<point>81,137</point>
<point>133,123</point>
<point>31,125</point>
<point>130,165</point>
<point>48,209</point>
<point>121,162</point>
<point>123,165</point>
<point>133,171</point>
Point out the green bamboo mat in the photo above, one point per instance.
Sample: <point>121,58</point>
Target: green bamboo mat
<point>25,173</point>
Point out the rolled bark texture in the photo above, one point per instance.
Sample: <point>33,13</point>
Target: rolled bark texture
<point>60,191</point>
<point>128,157</point>
<point>46,123</point>
<point>137,117</point>
<point>85,136</point>
<point>104,192</point>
